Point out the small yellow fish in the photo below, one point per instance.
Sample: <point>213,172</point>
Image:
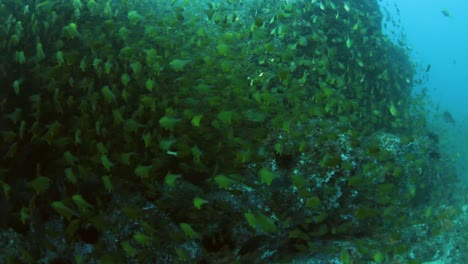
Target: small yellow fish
<point>348,42</point>
<point>393,110</point>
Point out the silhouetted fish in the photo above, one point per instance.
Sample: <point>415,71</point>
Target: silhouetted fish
<point>433,136</point>
<point>446,13</point>
<point>447,117</point>
<point>428,67</point>
<point>434,155</point>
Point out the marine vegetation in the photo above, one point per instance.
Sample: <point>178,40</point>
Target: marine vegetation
<point>210,132</point>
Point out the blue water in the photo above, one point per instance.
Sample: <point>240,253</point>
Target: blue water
<point>442,42</point>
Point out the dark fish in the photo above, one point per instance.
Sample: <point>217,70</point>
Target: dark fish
<point>433,136</point>
<point>434,155</point>
<point>447,117</point>
<point>446,13</point>
<point>428,68</point>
